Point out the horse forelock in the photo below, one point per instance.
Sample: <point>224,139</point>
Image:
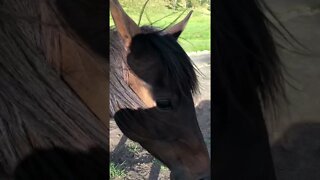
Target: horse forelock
<point>176,63</point>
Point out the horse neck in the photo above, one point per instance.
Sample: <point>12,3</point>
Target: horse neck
<point>45,31</point>
<point>85,72</point>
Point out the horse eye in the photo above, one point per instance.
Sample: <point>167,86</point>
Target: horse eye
<point>164,104</point>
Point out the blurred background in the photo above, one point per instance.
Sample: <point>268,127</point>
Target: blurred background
<point>296,133</point>
<point>161,13</point>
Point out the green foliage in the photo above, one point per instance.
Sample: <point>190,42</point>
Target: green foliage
<point>134,147</point>
<point>161,13</point>
<point>115,171</point>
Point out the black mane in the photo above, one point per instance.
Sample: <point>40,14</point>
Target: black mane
<point>38,109</point>
<point>121,95</point>
<point>247,78</point>
<point>178,65</point>
<point>176,62</point>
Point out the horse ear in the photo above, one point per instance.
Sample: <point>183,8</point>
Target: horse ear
<point>126,27</point>
<point>177,29</point>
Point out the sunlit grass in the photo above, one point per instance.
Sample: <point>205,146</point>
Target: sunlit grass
<point>134,147</point>
<point>115,171</point>
<point>196,36</point>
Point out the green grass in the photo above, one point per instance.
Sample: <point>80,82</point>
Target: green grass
<point>115,171</point>
<point>133,147</point>
<point>196,36</point>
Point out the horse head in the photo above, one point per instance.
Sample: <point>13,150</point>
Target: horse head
<point>163,77</point>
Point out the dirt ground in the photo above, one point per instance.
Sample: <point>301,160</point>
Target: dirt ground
<point>136,162</point>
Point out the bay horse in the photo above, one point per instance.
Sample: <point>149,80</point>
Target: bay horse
<point>53,89</point>
<point>54,92</point>
<point>152,81</point>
